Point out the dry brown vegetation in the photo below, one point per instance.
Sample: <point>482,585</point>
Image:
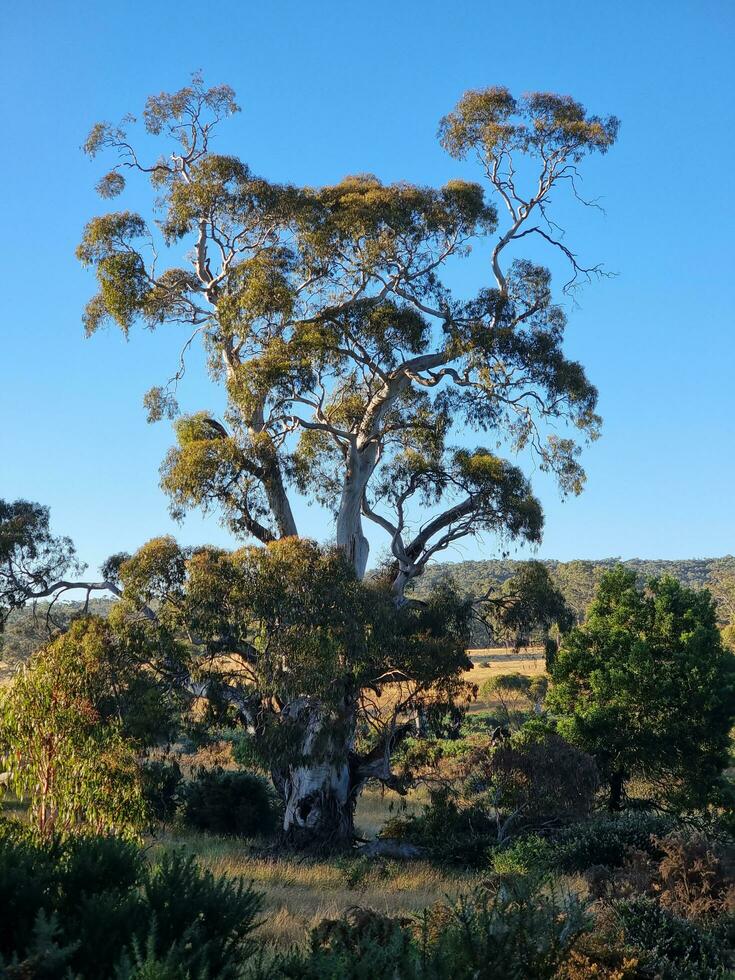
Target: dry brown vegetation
<point>300,892</point>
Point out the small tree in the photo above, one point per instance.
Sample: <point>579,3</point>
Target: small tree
<point>61,740</point>
<point>517,694</point>
<point>646,687</point>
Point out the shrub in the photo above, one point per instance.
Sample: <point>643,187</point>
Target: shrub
<point>26,881</point>
<point>237,804</point>
<point>514,932</point>
<point>449,828</point>
<point>511,933</point>
<point>696,876</point>
<point>539,777</point>
<point>531,856</point>
<point>362,945</point>
<point>64,746</point>
<point>608,841</point>
<point>207,919</point>
<point>647,688</point>
<point>89,865</point>
<point>93,908</point>
<point>677,948</point>
<point>161,783</point>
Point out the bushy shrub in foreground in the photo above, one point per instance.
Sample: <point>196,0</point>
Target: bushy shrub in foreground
<point>93,908</point>
<point>517,933</point>
<point>234,804</point>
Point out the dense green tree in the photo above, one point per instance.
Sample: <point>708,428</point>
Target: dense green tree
<point>646,687</point>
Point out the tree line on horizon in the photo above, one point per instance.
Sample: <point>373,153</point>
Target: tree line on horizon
<point>577,580</point>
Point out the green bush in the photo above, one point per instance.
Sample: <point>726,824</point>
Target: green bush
<point>512,933</point>
<point>678,948</point>
<point>530,856</point>
<point>93,908</point>
<point>450,829</point>
<point>161,785</point>
<point>516,931</point>
<point>609,840</point>
<point>362,945</point>
<point>235,804</point>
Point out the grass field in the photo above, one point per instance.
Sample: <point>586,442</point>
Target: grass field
<point>491,662</point>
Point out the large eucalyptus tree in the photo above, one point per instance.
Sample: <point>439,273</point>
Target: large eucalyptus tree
<point>356,376</point>
<point>353,374</point>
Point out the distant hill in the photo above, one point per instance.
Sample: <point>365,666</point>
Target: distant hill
<point>576,579</point>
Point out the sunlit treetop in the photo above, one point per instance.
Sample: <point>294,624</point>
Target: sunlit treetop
<point>354,374</point>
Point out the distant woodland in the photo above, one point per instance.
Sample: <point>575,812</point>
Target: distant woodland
<point>28,628</point>
<point>578,579</point>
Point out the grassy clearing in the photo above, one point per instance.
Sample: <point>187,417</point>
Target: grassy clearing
<point>300,892</point>
<point>491,662</point>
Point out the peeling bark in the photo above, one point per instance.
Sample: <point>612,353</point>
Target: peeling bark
<point>318,792</point>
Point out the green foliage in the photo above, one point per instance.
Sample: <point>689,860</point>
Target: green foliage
<point>577,582</point>
<point>528,856</point>
<point>492,123</point>
<point>608,840</point>
<point>95,906</point>
<point>535,779</point>
<point>161,786</point>
<point>329,308</point>
<point>237,804</point>
<point>451,828</point>
<point>30,555</point>
<point>509,933</point>
<point>646,687</point>
<point>527,604</point>
<point>361,945</point>
<point>61,741</point>
<point>678,948</point>
<point>518,695</point>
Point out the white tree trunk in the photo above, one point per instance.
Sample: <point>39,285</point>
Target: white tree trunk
<point>318,793</point>
<point>349,534</point>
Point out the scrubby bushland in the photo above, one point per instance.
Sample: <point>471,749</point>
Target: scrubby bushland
<point>497,791</point>
<point>668,916</point>
<point>486,936</point>
<point>237,804</point>
<point>92,907</point>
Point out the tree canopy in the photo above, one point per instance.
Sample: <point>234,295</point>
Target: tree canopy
<point>352,371</point>
<point>646,687</point>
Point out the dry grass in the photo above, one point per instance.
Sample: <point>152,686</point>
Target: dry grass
<point>300,892</point>
<point>491,662</point>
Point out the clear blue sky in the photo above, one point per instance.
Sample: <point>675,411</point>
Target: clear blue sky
<point>330,88</point>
